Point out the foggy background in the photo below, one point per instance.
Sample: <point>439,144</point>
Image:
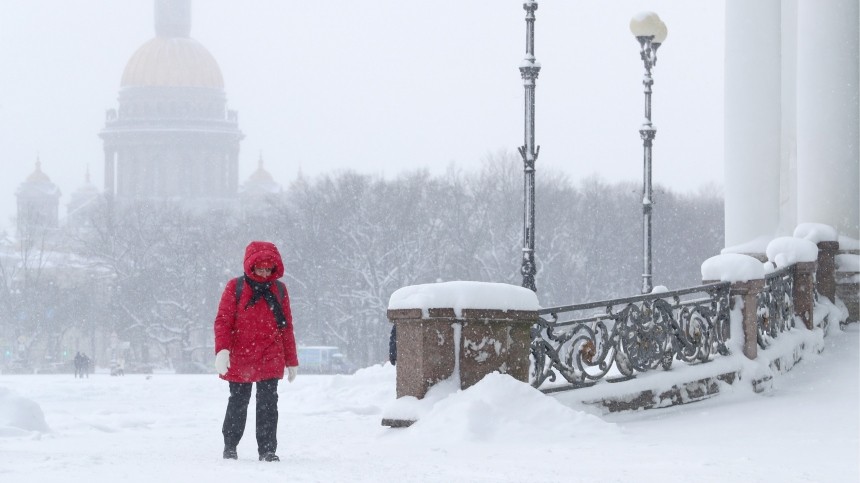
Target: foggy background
<point>392,128</point>
<point>378,87</point>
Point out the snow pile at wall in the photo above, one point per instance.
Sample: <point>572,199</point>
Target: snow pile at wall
<point>501,409</point>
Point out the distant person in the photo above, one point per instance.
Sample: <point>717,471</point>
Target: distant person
<point>78,364</point>
<point>85,365</point>
<point>117,367</point>
<point>254,342</point>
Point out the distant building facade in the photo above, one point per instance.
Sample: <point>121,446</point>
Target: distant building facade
<point>172,136</point>
<point>38,202</point>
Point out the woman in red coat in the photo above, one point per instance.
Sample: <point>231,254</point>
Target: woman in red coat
<point>254,342</point>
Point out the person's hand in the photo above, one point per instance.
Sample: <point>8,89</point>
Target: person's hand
<point>291,373</point>
<point>222,361</point>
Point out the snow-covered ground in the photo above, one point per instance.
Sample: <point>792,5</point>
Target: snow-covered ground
<point>166,428</point>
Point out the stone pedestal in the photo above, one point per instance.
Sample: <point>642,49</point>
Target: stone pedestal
<point>478,342</point>
<point>425,349</point>
<point>495,340</point>
<point>748,292</point>
<point>826,272</point>
<point>804,292</point>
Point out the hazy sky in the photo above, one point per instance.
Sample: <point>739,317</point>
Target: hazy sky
<point>377,86</point>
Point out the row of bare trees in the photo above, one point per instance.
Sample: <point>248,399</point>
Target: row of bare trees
<point>153,272</point>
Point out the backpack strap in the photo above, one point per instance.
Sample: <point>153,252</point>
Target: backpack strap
<point>240,284</point>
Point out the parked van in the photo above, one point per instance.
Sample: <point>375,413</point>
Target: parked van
<point>323,360</point>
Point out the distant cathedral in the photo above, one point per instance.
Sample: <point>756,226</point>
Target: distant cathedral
<point>171,136</point>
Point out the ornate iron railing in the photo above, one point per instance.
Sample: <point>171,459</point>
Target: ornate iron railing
<point>586,342</point>
<point>775,306</point>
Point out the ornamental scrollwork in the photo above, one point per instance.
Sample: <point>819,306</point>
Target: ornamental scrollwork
<point>775,307</point>
<point>617,339</point>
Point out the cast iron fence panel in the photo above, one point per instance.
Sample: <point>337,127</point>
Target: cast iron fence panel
<point>775,306</point>
<point>583,342</point>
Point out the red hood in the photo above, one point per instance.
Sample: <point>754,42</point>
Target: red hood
<point>260,250</point>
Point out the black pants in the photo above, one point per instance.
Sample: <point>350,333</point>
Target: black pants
<point>267,414</point>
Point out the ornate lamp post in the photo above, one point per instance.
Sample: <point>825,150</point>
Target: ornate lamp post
<point>529,70</point>
<point>650,31</point>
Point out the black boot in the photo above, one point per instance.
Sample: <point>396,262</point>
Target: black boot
<point>269,457</point>
<point>230,453</point>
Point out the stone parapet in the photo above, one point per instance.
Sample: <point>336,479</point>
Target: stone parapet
<point>748,292</point>
<point>478,342</point>
<point>826,271</point>
<point>804,292</point>
<point>425,349</point>
<point>495,340</point>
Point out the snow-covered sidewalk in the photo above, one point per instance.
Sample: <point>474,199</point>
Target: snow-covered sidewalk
<point>166,428</point>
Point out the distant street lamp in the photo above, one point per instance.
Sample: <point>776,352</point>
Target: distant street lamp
<point>650,31</point>
<point>529,70</point>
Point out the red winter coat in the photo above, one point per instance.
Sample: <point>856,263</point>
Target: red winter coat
<point>258,349</point>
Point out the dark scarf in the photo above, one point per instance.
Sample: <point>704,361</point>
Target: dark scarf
<point>264,290</point>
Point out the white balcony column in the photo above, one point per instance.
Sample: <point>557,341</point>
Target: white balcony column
<point>828,114</point>
<point>753,135</point>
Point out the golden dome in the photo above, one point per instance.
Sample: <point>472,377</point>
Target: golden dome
<point>172,62</point>
<point>261,175</point>
<point>260,182</point>
<point>38,184</point>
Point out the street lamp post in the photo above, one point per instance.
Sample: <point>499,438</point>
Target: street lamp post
<point>529,70</point>
<point>650,31</point>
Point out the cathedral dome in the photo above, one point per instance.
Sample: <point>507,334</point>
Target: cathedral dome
<point>38,184</point>
<point>172,58</point>
<point>260,183</point>
<point>172,62</point>
<point>86,190</point>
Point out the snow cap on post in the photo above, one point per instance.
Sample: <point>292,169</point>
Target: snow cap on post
<point>461,295</point>
<point>816,232</point>
<point>732,267</point>
<point>787,250</point>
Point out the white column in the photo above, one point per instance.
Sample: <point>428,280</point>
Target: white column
<point>828,166</point>
<point>752,120</point>
<point>788,158</point>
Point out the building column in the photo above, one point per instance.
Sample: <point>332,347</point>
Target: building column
<point>752,119</point>
<point>828,165</point>
<point>110,171</point>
